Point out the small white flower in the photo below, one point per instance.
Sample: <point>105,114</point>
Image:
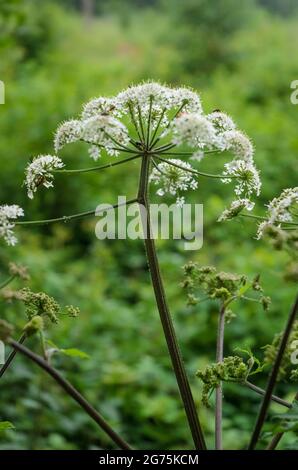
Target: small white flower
<point>194,130</point>
<point>101,105</point>
<point>246,175</point>
<point>221,121</point>
<point>238,143</point>
<point>279,207</point>
<point>173,179</point>
<point>7,215</point>
<point>235,208</point>
<point>105,131</point>
<point>39,172</point>
<point>67,132</point>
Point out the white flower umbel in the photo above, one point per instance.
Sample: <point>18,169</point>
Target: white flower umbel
<point>7,215</point>
<point>99,105</point>
<point>67,132</point>
<point>246,175</point>
<point>238,143</point>
<point>221,121</point>
<point>172,179</point>
<point>194,130</point>
<point>281,209</point>
<point>105,131</point>
<point>39,172</point>
<point>158,100</point>
<point>235,208</point>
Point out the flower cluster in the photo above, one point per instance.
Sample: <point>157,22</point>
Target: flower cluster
<point>160,118</point>
<point>40,172</point>
<point>42,305</point>
<point>172,178</point>
<point>280,210</point>
<point>226,287</point>
<point>235,208</point>
<point>232,369</point>
<point>7,215</point>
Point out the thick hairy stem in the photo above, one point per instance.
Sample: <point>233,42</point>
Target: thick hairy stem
<point>71,391</point>
<point>218,399</point>
<point>273,376</point>
<point>164,313</point>
<point>11,356</point>
<point>277,437</point>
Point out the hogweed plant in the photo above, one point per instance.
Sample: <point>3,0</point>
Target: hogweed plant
<point>166,130</point>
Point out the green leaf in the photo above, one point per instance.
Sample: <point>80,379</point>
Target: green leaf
<point>73,352</point>
<point>5,425</point>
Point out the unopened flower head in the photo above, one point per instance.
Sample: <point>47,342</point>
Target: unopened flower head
<point>39,172</point>
<point>67,132</point>
<point>194,130</point>
<point>7,216</point>
<point>172,178</point>
<point>235,208</point>
<point>246,175</point>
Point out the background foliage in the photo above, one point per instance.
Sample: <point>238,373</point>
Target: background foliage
<point>55,56</point>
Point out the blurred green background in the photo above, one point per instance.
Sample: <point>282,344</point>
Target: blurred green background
<point>54,56</point>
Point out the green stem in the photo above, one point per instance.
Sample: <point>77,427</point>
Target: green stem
<point>258,217</point>
<point>164,312</point>
<point>169,123</point>
<point>96,168</point>
<point>67,218</point>
<point>218,398</point>
<point>141,124</point>
<point>119,149</point>
<point>7,281</point>
<point>134,121</point>
<point>11,356</point>
<point>156,128</point>
<point>194,172</point>
<point>273,377</point>
<point>149,123</point>
<point>262,392</point>
<point>72,392</point>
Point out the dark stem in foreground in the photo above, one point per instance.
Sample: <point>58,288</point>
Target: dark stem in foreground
<point>218,397</point>
<point>163,309</point>
<point>277,437</point>
<point>11,356</point>
<point>71,391</point>
<point>273,376</point>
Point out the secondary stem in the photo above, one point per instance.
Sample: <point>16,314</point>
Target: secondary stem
<point>96,168</point>
<point>273,376</point>
<point>71,391</point>
<point>218,399</point>
<point>81,215</point>
<point>11,356</point>
<point>163,309</point>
